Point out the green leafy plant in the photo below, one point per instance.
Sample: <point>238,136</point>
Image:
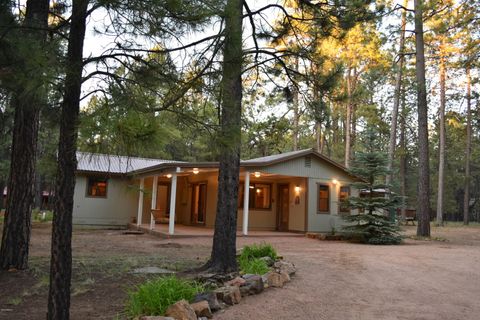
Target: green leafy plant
<point>250,262</point>
<point>259,250</point>
<point>154,296</point>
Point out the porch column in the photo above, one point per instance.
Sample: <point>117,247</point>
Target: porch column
<point>154,201</point>
<point>173,201</point>
<point>140,203</point>
<point>245,203</point>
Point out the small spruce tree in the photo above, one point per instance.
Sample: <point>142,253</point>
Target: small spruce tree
<point>371,225</point>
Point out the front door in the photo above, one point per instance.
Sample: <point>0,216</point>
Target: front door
<point>283,206</point>
<point>199,203</point>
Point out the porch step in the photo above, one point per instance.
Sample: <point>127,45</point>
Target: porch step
<point>194,232</point>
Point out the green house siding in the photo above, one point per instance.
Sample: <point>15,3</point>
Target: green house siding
<point>116,209</point>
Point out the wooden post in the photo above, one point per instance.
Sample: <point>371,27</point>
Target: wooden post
<point>154,201</point>
<point>140,203</point>
<point>245,203</point>
<point>173,200</point>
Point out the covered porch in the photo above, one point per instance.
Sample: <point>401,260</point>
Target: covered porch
<point>181,201</point>
<point>182,231</point>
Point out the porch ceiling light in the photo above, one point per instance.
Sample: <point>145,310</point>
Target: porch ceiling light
<point>195,171</point>
<point>169,176</point>
<point>257,174</point>
<point>335,181</point>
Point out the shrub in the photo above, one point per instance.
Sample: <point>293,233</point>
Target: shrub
<point>253,266</point>
<point>154,296</point>
<point>259,250</point>
<point>250,262</point>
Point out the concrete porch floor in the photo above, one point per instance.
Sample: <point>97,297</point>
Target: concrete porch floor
<point>182,231</point>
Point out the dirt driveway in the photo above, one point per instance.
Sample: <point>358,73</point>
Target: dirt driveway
<point>335,280</point>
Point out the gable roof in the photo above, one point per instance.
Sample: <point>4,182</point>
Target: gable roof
<point>104,163</point>
<point>281,157</point>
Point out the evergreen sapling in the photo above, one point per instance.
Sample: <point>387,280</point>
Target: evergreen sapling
<point>371,225</point>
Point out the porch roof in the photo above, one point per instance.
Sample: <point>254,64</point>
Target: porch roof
<point>113,164</point>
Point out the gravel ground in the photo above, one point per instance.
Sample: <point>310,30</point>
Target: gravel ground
<point>335,280</point>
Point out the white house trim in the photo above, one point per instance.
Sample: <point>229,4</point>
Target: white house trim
<point>245,203</point>
<point>140,202</point>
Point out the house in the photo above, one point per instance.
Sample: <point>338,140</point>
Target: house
<point>297,191</point>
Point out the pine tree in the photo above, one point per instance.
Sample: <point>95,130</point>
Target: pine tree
<point>371,225</point>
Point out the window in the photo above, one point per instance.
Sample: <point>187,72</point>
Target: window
<point>323,198</point>
<point>259,196</point>
<point>97,187</point>
<point>344,194</point>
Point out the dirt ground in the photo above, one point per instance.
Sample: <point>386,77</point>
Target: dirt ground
<point>335,280</point>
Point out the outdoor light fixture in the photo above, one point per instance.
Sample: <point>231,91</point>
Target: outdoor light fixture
<point>195,171</point>
<point>257,174</point>
<point>169,176</point>
<point>258,190</point>
<point>297,189</point>
<point>335,181</point>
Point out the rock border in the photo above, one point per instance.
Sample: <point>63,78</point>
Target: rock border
<point>230,289</point>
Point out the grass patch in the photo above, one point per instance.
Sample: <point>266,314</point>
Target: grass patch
<point>259,250</point>
<point>14,301</point>
<point>250,262</point>
<point>42,216</point>
<point>253,266</point>
<point>153,297</point>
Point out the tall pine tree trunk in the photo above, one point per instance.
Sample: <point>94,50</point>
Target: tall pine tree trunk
<point>441,154</point>
<point>423,198</point>
<point>223,257</point>
<point>468,152</point>
<point>396,97</point>
<point>348,121</point>
<point>403,158</point>
<point>27,100</point>
<point>61,255</point>
<point>296,116</point>
<point>318,136</point>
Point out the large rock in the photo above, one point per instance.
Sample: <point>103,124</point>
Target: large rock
<point>253,285</point>
<point>156,318</point>
<point>269,261</point>
<point>277,279</point>
<point>152,270</point>
<point>215,279</point>
<point>284,266</point>
<point>181,310</point>
<point>211,298</point>
<point>202,309</point>
<point>236,282</point>
<point>229,294</point>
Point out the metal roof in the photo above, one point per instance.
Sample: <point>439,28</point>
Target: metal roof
<point>102,163</point>
<point>278,157</point>
<point>96,162</point>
